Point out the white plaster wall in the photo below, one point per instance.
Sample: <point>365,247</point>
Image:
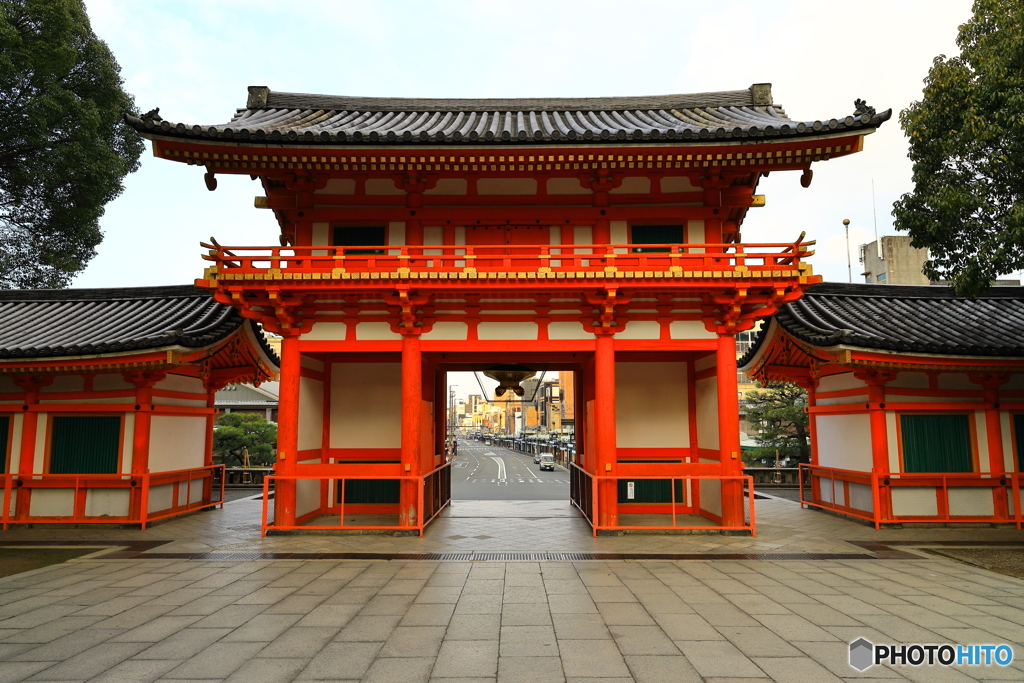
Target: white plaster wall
<point>711,496</point>
<point>449,186</point>
<point>695,234</point>
<point>375,332</point>
<point>366,405</point>
<point>396,234</point>
<point>640,329</point>
<point>493,186</point>
<point>128,445</point>
<point>840,382</point>
<point>447,331</point>
<point>842,400</point>
<point>860,497</point>
<point>690,329</point>
<point>339,186</point>
<point>583,234</point>
<point>971,501</point>
<point>112,502</point>
<point>321,235</point>
<point>110,382</point>
<point>311,363</point>
<point>844,441</point>
<point>160,498</point>
<point>956,380</point>
<point>176,442</point>
<point>14,456</point>
<point>7,385</point>
<point>707,413</point>
<point>183,383</point>
<point>566,186</point>
<point>650,405</point>
<point>39,463</point>
<point>619,232</point>
<point>892,441</point>
<point>433,235</point>
<point>567,330</point>
<point>633,185</point>
<point>910,380</point>
<point>326,332</point>
<point>1016,383</point>
<point>517,331</point>
<point>311,413</point>
<point>63,383</point>
<point>984,465</point>
<point>676,184</point>
<point>1006,430</point>
<point>382,186</point>
<point>52,503</point>
<point>705,363</point>
<point>914,501</point>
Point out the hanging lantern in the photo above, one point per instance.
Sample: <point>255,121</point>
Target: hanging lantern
<point>509,377</point>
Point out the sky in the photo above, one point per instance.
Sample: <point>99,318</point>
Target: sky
<point>194,60</point>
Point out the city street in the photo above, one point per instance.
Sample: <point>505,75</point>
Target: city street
<point>482,472</point>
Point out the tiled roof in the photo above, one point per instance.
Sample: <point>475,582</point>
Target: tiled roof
<point>323,119</point>
<point>41,323</point>
<point>915,319</point>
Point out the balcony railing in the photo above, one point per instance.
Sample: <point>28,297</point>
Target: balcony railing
<point>689,260</point>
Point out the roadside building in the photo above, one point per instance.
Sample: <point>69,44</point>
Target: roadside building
<point>598,236</point>
<point>916,399</point>
<point>107,400</point>
<point>247,398</point>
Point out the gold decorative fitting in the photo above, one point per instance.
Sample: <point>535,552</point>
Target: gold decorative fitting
<point>544,269</point>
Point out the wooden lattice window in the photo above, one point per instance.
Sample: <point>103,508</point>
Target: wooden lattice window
<point>85,444</point>
<point>1018,430</point>
<point>936,443</point>
<point>5,437</point>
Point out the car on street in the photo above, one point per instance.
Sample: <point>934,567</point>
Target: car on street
<point>546,461</point>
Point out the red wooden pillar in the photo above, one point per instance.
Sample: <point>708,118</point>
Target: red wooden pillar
<point>994,437</point>
<point>812,428</point>
<point>211,418</point>
<point>412,401</point>
<point>144,382</point>
<point>287,432</point>
<point>876,381</point>
<point>29,425</point>
<point>729,431</point>
<point>604,429</point>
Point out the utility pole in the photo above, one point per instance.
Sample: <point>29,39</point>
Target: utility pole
<point>849,266</point>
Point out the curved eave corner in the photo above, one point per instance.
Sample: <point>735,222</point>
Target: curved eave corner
<point>752,358</point>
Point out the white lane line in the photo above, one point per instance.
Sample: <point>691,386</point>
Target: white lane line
<point>501,468</point>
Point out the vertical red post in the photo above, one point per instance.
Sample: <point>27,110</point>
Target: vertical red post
<point>325,434</point>
<point>27,450</point>
<point>412,399</point>
<point>287,432</point>
<point>729,431</point>
<point>879,436</point>
<point>994,436</point>
<point>140,439</point>
<point>812,427</point>
<point>604,429</point>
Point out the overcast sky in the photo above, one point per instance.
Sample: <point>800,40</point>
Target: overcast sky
<point>195,59</point>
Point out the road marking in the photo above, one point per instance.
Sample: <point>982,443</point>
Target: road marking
<point>501,469</point>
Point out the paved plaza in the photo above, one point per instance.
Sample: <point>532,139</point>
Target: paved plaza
<point>503,591</point>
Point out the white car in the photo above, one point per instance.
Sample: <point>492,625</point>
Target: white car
<point>536,458</point>
<point>547,462</point>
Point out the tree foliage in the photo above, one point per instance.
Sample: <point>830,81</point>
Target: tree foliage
<point>63,147</point>
<point>237,431</point>
<point>967,145</point>
<point>777,410</point>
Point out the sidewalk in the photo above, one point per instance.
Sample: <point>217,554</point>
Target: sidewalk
<point>206,606</point>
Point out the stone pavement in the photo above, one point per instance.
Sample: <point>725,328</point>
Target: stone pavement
<point>185,614</point>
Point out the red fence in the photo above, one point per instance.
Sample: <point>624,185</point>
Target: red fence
<point>108,498</point>
<point>319,505</point>
<point>699,492</point>
<point>940,497</point>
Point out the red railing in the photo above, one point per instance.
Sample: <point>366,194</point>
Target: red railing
<point>584,493</point>
<point>434,494</point>
<point>87,499</point>
<point>829,489</point>
<point>517,258</point>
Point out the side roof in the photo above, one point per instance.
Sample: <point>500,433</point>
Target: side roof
<point>47,323</point>
<point>337,120</point>
<point>901,318</point>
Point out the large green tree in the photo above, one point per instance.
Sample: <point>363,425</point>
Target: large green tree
<point>236,432</point>
<point>967,145</point>
<point>63,147</point>
<point>777,411</point>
